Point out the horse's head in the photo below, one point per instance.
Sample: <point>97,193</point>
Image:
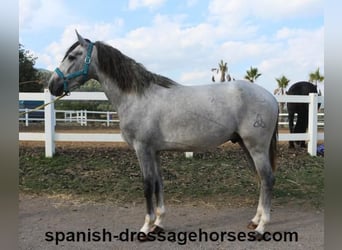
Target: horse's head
<point>75,68</point>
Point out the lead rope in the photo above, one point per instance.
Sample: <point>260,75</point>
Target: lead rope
<point>43,105</point>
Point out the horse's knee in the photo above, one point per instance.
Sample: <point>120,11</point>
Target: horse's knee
<point>270,181</point>
<point>158,184</point>
<point>148,187</point>
<point>267,183</point>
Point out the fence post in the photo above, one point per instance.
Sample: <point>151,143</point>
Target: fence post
<point>189,154</point>
<point>312,126</point>
<point>26,117</point>
<point>85,117</point>
<point>49,123</point>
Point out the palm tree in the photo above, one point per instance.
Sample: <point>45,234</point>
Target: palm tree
<point>283,82</point>
<point>223,69</point>
<point>316,77</point>
<point>252,74</point>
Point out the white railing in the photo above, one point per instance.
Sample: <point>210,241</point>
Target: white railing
<point>284,122</point>
<point>50,136</point>
<point>81,117</point>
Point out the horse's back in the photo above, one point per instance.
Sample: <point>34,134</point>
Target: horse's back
<point>236,98</point>
<point>209,115</point>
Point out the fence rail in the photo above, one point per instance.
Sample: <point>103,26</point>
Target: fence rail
<point>50,136</point>
<point>83,117</point>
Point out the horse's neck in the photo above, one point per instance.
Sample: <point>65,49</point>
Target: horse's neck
<point>117,98</point>
<point>111,90</point>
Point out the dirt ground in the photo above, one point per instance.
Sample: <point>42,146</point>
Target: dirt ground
<point>40,217</point>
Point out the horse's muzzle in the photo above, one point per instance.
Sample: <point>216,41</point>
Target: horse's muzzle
<point>56,86</point>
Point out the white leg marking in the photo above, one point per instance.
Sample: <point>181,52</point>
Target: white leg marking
<point>147,225</point>
<point>160,211</point>
<point>256,218</point>
<point>265,218</point>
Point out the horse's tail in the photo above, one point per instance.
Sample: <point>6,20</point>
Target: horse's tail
<point>273,147</point>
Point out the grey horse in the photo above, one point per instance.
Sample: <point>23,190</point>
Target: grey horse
<point>158,114</point>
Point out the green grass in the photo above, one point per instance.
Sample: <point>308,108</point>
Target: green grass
<point>220,176</point>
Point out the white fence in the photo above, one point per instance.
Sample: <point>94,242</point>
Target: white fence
<point>50,136</point>
<point>83,117</point>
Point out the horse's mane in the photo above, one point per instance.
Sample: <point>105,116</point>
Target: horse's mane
<point>129,75</point>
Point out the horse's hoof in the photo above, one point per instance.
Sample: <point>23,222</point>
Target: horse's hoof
<point>252,225</point>
<point>142,237</point>
<point>146,237</point>
<point>258,236</point>
<point>156,229</point>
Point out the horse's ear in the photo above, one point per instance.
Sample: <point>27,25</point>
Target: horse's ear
<point>81,40</point>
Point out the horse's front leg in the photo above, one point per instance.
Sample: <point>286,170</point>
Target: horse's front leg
<point>153,184</point>
<point>160,210</point>
<point>146,162</point>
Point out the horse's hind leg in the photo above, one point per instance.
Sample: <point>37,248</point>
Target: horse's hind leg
<point>256,219</point>
<point>264,171</point>
<point>291,127</point>
<point>266,179</point>
<point>249,157</point>
<point>302,121</point>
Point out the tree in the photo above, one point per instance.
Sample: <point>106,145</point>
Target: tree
<point>91,86</point>
<point>43,76</point>
<point>223,68</point>
<point>27,73</point>
<point>316,77</point>
<point>283,82</point>
<point>252,74</point>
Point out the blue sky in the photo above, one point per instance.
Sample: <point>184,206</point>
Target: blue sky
<point>184,39</point>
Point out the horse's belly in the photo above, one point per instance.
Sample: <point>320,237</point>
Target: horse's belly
<point>192,139</point>
<point>196,127</point>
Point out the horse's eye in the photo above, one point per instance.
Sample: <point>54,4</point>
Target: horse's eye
<point>71,57</point>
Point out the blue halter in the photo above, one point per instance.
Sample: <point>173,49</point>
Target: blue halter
<point>83,72</point>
